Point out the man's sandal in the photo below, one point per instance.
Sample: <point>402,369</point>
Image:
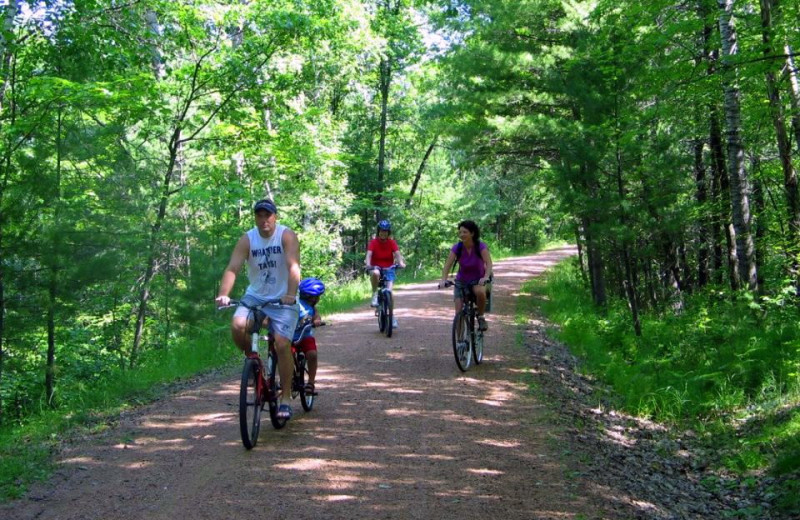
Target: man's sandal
<point>284,412</point>
<point>309,389</point>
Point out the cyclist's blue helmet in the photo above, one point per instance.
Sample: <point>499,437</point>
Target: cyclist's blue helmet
<point>311,287</point>
<point>384,225</point>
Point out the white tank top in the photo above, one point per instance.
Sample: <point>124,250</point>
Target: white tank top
<point>266,265</point>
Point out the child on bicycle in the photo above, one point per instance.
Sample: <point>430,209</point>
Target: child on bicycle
<point>311,289</point>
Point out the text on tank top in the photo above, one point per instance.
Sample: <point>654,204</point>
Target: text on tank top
<point>266,265</point>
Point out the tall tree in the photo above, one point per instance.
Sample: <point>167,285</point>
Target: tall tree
<point>745,244</point>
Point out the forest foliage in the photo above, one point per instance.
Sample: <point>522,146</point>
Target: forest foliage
<point>661,136</point>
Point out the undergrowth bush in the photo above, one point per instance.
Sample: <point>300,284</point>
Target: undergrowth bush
<point>727,364</point>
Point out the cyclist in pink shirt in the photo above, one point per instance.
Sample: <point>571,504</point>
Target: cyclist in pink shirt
<point>475,267</point>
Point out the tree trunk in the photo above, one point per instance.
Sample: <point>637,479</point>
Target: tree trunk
<point>723,202</point>
<point>579,241</point>
<point>701,197</point>
<point>720,221</point>
<point>385,81</point>
<point>50,372</point>
<point>596,268</point>
<point>794,94</point>
<point>420,170</point>
<point>152,250</point>
<point>758,200</point>
<point>630,292</point>
<point>784,145</point>
<point>740,203</point>
<point>6,55</point>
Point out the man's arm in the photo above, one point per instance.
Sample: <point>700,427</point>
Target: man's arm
<point>238,258</point>
<point>291,251</point>
<point>368,259</point>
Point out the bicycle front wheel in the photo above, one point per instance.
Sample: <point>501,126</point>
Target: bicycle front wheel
<point>272,381</point>
<point>250,403</point>
<point>381,312</point>
<point>462,345</point>
<point>388,312</point>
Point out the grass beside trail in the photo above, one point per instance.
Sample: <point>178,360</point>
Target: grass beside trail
<point>27,449</point>
<point>727,367</point>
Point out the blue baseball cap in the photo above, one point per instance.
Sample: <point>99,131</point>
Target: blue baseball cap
<point>266,205</point>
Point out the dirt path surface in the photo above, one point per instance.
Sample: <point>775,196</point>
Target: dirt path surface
<point>398,432</point>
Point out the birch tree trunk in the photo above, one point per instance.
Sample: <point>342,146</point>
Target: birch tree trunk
<point>701,197</point>
<point>740,203</point>
<point>720,189</point>
<point>794,93</point>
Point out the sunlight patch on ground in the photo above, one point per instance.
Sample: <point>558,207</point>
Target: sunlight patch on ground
<point>466,419</point>
<point>80,460</point>
<point>304,465</point>
<point>396,356</point>
<point>485,471</point>
<point>467,492</point>
<point>425,457</point>
<point>228,390</point>
<point>619,438</point>
<point>334,498</point>
<point>490,403</point>
<point>499,444</point>
<point>137,465</point>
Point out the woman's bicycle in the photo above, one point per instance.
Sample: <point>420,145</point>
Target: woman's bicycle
<point>259,385</point>
<point>385,309</point>
<point>467,338</point>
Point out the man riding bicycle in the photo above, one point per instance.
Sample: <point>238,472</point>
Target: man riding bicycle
<point>475,268</point>
<point>383,252</point>
<point>272,252</point>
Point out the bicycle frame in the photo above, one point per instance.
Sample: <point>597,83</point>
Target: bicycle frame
<point>258,385</point>
<point>384,311</point>
<point>467,344</point>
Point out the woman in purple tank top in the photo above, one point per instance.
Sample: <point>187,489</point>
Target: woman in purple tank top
<point>474,267</point>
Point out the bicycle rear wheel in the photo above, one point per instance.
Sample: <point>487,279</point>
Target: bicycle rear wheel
<point>250,403</point>
<point>307,400</point>
<point>477,348</point>
<point>462,345</point>
<point>272,381</point>
<point>388,312</point>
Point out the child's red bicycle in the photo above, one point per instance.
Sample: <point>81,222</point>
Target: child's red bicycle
<point>259,386</point>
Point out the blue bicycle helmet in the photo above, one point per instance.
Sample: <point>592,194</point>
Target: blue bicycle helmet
<point>384,225</point>
<point>311,287</point>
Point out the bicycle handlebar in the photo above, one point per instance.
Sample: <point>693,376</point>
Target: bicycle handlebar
<point>373,267</point>
<point>236,303</point>
<point>450,283</point>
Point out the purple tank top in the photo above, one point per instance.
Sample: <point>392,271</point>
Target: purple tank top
<point>471,266</point>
